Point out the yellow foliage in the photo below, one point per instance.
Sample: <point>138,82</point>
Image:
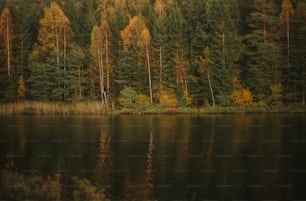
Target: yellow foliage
<point>22,90</point>
<point>188,99</point>
<point>242,97</point>
<point>142,99</point>
<point>135,33</point>
<point>54,30</point>
<point>168,98</point>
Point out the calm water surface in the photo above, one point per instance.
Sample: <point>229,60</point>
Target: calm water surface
<point>166,157</point>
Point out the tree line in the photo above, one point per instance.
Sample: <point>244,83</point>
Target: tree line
<point>149,52</point>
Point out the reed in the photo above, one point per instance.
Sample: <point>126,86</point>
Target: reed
<point>96,108</point>
<point>44,108</point>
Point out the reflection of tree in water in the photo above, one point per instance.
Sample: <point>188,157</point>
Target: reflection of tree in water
<point>103,175</point>
<point>144,190</point>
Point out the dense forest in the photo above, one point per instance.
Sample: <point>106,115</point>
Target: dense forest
<point>154,52</point>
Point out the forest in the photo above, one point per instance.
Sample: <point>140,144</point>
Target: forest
<point>130,53</point>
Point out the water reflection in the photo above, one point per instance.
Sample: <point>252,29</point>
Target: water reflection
<point>231,157</point>
<point>103,176</point>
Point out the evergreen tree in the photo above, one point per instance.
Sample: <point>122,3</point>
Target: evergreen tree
<point>53,37</point>
<point>263,55</point>
<point>225,46</point>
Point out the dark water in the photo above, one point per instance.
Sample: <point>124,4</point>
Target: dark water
<point>231,157</point>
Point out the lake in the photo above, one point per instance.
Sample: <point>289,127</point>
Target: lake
<point>165,157</point>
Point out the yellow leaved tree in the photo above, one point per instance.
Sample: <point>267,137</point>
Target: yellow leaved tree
<point>22,90</point>
<point>240,96</point>
<point>53,35</point>
<point>136,34</point>
<point>6,35</point>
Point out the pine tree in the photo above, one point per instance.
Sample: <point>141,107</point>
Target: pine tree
<point>76,74</point>
<point>225,46</point>
<point>295,87</point>
<point>263,55</point>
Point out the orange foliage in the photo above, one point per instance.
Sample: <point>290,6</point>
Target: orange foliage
<point>242,97</point>
<point>132,34</point>
<point>22,90</point>
<point>54,30</point>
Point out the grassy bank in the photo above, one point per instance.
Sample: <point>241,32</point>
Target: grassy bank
<point>216,110</point>
<point>43,108</point>
<point>96,108</point>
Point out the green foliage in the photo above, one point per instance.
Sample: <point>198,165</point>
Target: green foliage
<point>246,39</point>
<point>127,98</point>
<point>276,94</point>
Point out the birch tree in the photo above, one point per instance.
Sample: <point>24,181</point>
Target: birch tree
<point>97,54</point>
<point>137,35</point>
<point>6,33</point>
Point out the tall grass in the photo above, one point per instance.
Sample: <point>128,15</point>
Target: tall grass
<point>96,108</point>
<point>43,108</point>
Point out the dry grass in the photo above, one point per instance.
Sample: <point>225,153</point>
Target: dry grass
<point>43,108</point>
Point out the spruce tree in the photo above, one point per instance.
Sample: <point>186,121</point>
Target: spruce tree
<point>263,54</point>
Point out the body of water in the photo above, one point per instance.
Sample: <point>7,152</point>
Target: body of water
<point>165,157</point>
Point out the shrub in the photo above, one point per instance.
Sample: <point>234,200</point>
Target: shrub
<point>276,94</point>
<point>142,100</point>
<point>128,98</point>
<point>242,97</point>
<point>168,99</point>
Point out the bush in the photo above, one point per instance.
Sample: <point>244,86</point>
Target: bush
<point>242,97</point>
<point>142,100</point>
<point>276,94</point>
<point>127,98</point>
<point>168,99</point>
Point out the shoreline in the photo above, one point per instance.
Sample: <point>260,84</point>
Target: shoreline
<point>95,108</point>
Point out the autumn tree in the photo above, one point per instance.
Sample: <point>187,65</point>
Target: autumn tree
<point>137,35</point>
<point>240,96</point>
<point>6,33</point>
<point>53,37</point>
<point>98,56</point>
<point>22,90</point>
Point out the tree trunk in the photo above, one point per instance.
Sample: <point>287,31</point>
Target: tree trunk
<point>288,35</point>
<point>107,61</point>
<point>8,48</point>
<point>80,87</point>
<point>177,64</point>
<point>65,53</point>
<point>57,56</point>
<point>149,72</point>
<point>186,84</point>
<point>264,22</point>
<point>211,90</point>
<point>160,68</point>
<point>101,78</point>
<point>223,50</point>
